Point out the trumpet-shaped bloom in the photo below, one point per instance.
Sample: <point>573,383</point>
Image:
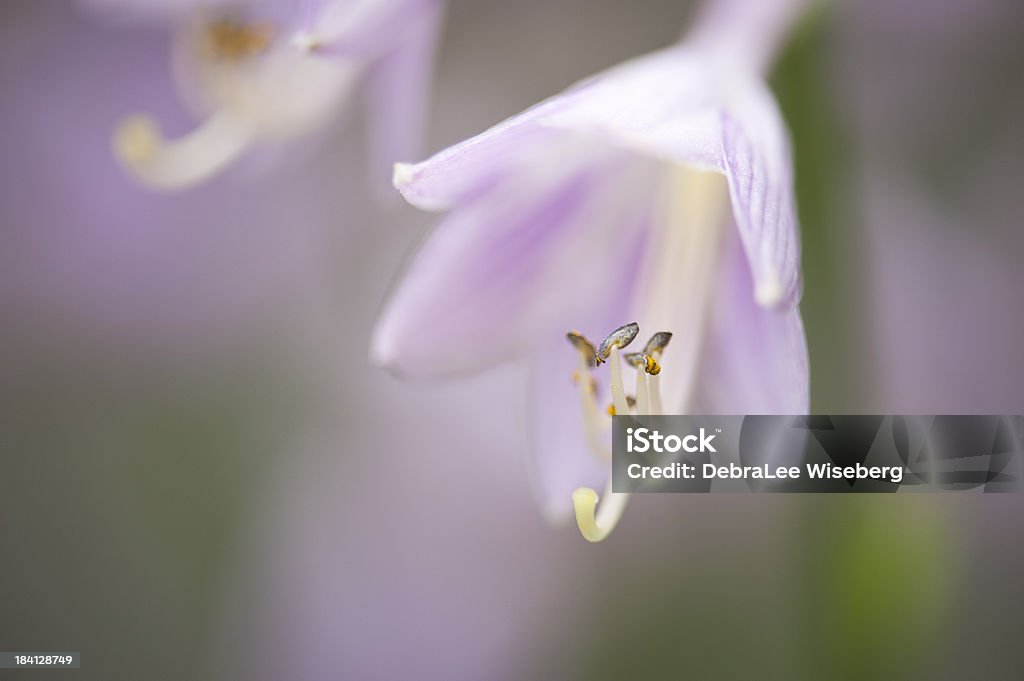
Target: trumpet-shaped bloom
<point>272,71</point>
<point>659,192</point>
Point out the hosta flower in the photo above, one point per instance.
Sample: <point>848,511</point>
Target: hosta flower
<point>655,199</point>
<point>273,71</point>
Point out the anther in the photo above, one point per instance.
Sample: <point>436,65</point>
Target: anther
<point>592,421</point>
<point>639,360</point>
<point>584,346</point>
<point>656,345</point>
<point>619,338</point>
<point>651,365</point>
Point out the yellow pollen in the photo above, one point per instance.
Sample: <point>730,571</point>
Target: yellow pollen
<point>651,365</point>
<point>234,40</point>
<point>630,400</point>
<point>591,382</point>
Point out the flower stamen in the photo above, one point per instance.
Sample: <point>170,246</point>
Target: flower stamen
<point>656,345</point>
<point>619,338</point>
<point>643,395</point>
<point>648,363</point>
<point>584,346</point>
<point>593,424</point>
<point>617,385</point>
<point>654,387</point>
<point>595,523</point>
<point>174,164</point>
<point>630,400</point>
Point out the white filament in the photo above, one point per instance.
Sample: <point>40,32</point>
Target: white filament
<point>643,397</point>
<point>617,386</point>
<point>182,162</point>
<point>592,423</point>
<point>596,523</point>
<point>654,387</point>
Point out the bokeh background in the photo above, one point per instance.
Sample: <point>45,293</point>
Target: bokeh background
<point>201,477</point>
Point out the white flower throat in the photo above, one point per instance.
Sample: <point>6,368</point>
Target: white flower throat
<point>674,293</point>
<point>250,83</point>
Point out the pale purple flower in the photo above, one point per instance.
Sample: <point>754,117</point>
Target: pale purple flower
<point>659,192</point>
<point>261,72</point>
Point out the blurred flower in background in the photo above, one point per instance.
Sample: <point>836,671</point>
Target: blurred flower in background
<point>263,72</point>
<point>661,191</point>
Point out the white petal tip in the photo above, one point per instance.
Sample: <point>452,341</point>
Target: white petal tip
<point>385,352</point>
<point>402,175</point>
<point>769,293</point>
<point>381,355</point>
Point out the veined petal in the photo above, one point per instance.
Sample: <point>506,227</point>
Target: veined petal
<point>755,359</point>
<point>681,272</point>
<point>460,172</point>
<point>665,95</point>
<point>758,162</point>
<point>679,106</point>
<point>663,104</point>
<point>500,274</point>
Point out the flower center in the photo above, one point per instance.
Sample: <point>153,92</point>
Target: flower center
<point>251,84</point>
<point>675,292</point>
<point>198,155</point>
<point>596,524</point>
<point>233,40</point>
